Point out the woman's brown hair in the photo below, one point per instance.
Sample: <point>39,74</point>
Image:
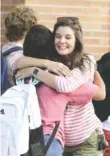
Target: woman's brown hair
<point>77,56</point>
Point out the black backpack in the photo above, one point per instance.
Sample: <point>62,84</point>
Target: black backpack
<point>36,141</point>
<point>102,108</point>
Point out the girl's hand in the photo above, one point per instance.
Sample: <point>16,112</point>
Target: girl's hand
<point>58,68</point>
<point>24,72</point>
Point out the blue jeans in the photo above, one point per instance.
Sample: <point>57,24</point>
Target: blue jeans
<point>55,148</point>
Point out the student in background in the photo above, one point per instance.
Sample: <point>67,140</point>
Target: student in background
<point>102,108</point>
<point>17,23</point>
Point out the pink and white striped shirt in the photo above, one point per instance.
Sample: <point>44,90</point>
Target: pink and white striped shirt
<point>79,120</point>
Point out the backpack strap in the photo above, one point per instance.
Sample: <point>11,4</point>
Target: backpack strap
<point>51,137</point>
<point>46,147</point>
<point>17,48</point>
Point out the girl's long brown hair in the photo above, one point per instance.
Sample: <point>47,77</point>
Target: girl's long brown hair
<point>77,57</point>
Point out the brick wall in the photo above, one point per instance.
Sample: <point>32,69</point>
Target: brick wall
<point>94,16</point>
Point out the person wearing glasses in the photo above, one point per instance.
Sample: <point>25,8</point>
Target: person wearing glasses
<point>80,122</point>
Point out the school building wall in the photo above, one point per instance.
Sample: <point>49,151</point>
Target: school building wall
<point>94,16</point>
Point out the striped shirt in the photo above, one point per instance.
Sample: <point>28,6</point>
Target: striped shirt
<point>79,123</point>
<point>79,120</point>
<point>53,104</point>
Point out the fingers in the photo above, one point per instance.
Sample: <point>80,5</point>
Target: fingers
<point>65,70</point>
<point>19,76</point>
<point>60,69</point>
<point>25,72</point>
<point>58,73</point>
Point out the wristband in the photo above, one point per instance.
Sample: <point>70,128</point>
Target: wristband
<point>35,72</point>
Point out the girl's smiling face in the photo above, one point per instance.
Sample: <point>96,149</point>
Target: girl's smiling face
<point>64,40</point>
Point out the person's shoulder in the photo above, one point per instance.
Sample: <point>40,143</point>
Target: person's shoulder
<point>91,57</point>
<point>10,45</point>
<point>5,47</point>
<point>104,58</point>
<point>90,62</point>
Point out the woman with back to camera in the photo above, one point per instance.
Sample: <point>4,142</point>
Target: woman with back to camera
<point>69,50</point>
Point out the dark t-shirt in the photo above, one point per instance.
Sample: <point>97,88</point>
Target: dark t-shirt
<point>102,108</point>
